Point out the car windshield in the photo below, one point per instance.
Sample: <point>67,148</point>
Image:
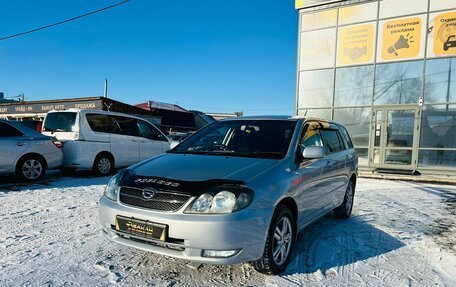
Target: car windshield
<point>59,122</point>
<point>243,138</point>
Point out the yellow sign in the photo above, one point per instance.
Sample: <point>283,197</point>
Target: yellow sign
<point>401,38</point>
<point>445,34</point>
<point>355,44</point>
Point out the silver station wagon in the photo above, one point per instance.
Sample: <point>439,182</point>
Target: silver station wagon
<point>238,190</point>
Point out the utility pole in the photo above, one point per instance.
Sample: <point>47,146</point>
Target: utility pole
<point>106,88</point>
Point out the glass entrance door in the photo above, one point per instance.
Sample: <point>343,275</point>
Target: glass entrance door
<point>394,137</point>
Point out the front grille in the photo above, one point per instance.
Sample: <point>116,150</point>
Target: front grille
<point>163,200</point>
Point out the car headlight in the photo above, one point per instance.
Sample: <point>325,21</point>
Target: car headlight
<point>222,201</point>
<point>112,189</point>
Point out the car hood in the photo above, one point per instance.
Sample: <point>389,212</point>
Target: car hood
<point>197,168</point>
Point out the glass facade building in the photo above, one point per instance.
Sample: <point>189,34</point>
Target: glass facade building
<point>387,71</point>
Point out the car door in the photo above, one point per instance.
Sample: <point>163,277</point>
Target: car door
<point>123,132</point>
<point>12,145</point>
<point>312,191</point>
<point>151,141</point>
<point>337,168</point>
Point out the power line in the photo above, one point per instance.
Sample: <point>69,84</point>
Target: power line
<point>64,21</point>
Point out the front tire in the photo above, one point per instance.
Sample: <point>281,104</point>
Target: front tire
<point>345,209</point>
<point>103,165</point>
<point>279,243</point>
<point>31,169</point>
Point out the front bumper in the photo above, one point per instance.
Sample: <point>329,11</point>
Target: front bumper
<point>190,234</point>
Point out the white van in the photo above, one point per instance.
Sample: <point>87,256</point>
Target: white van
<point>100,140</point>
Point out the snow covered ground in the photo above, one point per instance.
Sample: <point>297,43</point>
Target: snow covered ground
<point>401,234</point>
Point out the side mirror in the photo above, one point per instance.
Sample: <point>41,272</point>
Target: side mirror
<point>313,152</point>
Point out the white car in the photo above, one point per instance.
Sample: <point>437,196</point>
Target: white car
<point>101,140</point>
<point>27,153</point>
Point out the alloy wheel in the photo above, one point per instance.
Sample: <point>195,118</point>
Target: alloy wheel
<point>283,235</point>
<point>104,165</point>
<point>32,169</point>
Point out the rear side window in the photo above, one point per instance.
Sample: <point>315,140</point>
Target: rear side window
<point>7,130</point>
<point>332,140</point>
<point>345,137</point>
<point>123,126</point>
<point>59,122</point>
<point>97,122</point>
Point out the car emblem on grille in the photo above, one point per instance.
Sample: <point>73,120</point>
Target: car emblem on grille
<point>148,193</point>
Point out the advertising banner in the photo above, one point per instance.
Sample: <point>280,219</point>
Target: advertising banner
<point>14,108</point>
<point>445,34</point>
<point>356,44</point>
<point>401,38</point>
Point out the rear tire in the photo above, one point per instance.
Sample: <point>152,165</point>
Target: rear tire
<point>345,209</point>
<point>31,168</point>
<point>279,243</point>
<point>103,165</point>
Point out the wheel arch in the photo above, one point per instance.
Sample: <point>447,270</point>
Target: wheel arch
<point>290,203</point>
<point>105,153</point>
<point>353,179</point>
<point>31,155</point>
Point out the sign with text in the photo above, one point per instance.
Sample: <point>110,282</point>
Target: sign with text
<point>14,108</point>
<point>355,44</point>
<point>401,38</point>
<point>445,34</point>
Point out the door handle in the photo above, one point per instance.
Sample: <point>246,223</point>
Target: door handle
<point>20,143</point>
<point>134,140</point>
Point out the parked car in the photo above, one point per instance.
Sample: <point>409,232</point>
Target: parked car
<point>33,124</point>
<point>27,153</point>
<point>238,190</point>
<point>101,140</point>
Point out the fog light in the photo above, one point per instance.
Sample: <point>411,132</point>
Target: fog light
<point>219,253</point>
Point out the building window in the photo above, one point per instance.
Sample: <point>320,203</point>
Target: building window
<point>440,81</point>
<point>438,127</point>
<point>319,20</point>
<point>437,158</point>
<point>358,13</point>
<point>318,49</point>
<point>442,4</point>
<point>357,122</point>
<point>316,88</point>
<point>393,8</point>
<point>398,83</point>
<point>315,113</point>
<point>354,86</point>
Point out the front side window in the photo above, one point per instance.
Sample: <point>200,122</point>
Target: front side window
<point>311,135</point>
<point>242,138</point>
<point>59,122</point>
<point>7,130</point>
